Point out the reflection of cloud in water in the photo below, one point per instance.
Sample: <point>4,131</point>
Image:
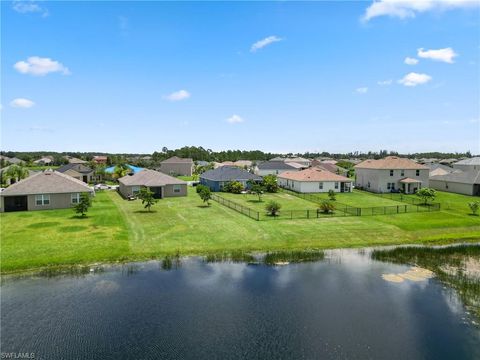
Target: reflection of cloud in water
<point>452,300</point>
<point>105,287</point>
<point>217,273</point>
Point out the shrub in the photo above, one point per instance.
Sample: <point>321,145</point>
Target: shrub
<point>205,194</point>
<point>200,187</point>
<point>270,183</point>
<point>474,207</point>
<point>426,194</point>
<point>83,205</point>
<point>331,195</point>
<point>327,207</point>
<point>273,208</point>
<point>234,187</point>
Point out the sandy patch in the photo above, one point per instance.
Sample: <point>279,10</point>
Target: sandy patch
<point>414,274</point>
<point>392,278</point>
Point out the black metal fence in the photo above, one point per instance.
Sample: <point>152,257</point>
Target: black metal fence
<point>237,207</point>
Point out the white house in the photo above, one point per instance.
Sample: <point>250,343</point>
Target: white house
<point>314,180</point>
<point>391,174</point>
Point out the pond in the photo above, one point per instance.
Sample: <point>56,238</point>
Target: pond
<point>343,304</point>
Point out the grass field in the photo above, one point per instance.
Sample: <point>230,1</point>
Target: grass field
<point>118,230</point>
<point>287,201</point>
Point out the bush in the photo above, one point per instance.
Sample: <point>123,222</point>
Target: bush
<point>199,188</point>
<point>327,207</point>
<point>474,207</point>
<point>426,194</point>
<point>270,183</point>
<point>234,187</point>
<point>205,194</point>
<point>273,208</point>
<point>331,195</point>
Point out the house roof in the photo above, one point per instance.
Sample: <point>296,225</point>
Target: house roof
<point>229,173</point>
<point>471,161</point>
<point>150,178</point>
<point>100,157</point>
<point>275,165</point>
<point>74,160</point>
<point>389,163</point>
<point>297,165</point>
<point>463,177</point>
<point>410,181</point>
<point>80,168</point>
<point>331,167</point>
<point>313,174</point>
<point>176,160</point>
<point>243,163</point>
<point>297,160</point>
<point>46,182</point>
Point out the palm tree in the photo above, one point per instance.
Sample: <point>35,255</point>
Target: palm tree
<point>15,173</point>
<point>120,171</point>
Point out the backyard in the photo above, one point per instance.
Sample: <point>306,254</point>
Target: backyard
<point>120,230</point>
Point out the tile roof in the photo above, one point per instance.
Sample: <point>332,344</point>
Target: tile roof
<point>313,174</point>
<point>46,182</point>
<point>229,173</point>
<point>463,177</point>
<point>176,160</point>
<point>391,162</point>
<point>150,178</point>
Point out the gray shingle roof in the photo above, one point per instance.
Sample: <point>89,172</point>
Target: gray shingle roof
<point>176,160</point>
<point>77,167</point>
<point>471,161</point>
<point>275,165</point>
<point>229,173</point>
<point>46,182</point>
<point>463,177</point>
<point>150,178</point>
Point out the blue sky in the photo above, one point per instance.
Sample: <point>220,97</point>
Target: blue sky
<point>275,76</point>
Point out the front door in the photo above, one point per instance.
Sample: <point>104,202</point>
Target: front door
<point>85,178</point>
<point>342,187</point>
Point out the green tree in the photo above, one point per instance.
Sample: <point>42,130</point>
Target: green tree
<point>205,194</point>
<point>120,171</point>
<point>16,173</point>
<point>327,207</point>
<point>273,208</point>
<point>426,194</point>
<point>474,207</point>
<point>234,187</point>
<point>331,195</point>
<point>257,189</point>
<point>270,183</point>
<point>147,198</point>
<point>83,205</point>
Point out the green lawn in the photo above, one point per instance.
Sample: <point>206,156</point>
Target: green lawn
<point>42,167</point>
<point>186,178</point>
<point>287,201</point>
<point>118,229</point>
<point>361,199</point>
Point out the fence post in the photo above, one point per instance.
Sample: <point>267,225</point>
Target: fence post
<point>291,214</point>
<point>398,209</point>
<point>308,214</point>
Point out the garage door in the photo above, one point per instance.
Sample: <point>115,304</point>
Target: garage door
<point>15,203</point>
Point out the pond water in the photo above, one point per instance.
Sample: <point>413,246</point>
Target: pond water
<point>341,307</point>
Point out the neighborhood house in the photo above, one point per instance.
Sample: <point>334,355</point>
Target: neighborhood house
<point>472,164</point>
<point>42,191</point>
<point>177,166</point>
<point>460,182</point>
<point>314,180</point>
<point>391,174</point>
<point>216,179</point>
<point>78,171</point>
<point>273,168</point>
<point>160,184</point>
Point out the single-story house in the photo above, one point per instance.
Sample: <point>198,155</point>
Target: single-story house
<point>392,173</point>
<point>314,180</point>
<point>330,167</point>
<point>216,179</point>
<point>9,160</point>
<point>471,164</point>
<point>460,182</point>
<point>46,160</point>
<point>162,185</point>
<point>43,191</point>
<point>78,171</point>
<point>299,160</point>
<point>177,166</point>
<point>439,169</point>
<point>100,159</point>
<point>243,164</point>
<point>273,168</point>
<point>74,160</point>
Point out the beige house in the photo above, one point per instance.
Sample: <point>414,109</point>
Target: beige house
<point>459,182</point>
<point>471,164</point>
<point>43,191</point>
<point>78,171</point>
<point>391,174</point>
<point>314,180</point>
<point>159,183</point>
<point>176,166</point>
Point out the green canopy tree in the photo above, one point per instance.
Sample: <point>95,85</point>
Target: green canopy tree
<point>83,205</point>
<point>474,207</point>
<point>331,195</point>
<point>273,208</point>
<point>257,189</point>
<point>205,194</point>
<point>147,198</point>
<point>426,194</point>
<point>270,183</point>
<point>120,171</point>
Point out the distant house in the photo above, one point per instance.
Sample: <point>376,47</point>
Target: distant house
<point>202,163</point>
<point>46,160</point>
<point>43,191</point>
<point>176,166</point>
<point>438,169</point>
<point>273,168</point>
<point>74,160</point>
<point>391,174</point>
<point>100,159</point>
<point>243,164</point>
<point>314,180</point>
<point>162,185</point>
<point>472,164</point>
<point>216,179</point>
<point>13,160</point>
<point>329,167</point>
<point>299,160</point>
<point>78,171</point>
<point>460,182</point>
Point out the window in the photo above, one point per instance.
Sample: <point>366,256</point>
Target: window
<point>135,190</point>
<point>391,172</point>
<point>417,172</point>
<point>336,185</point>
<point>320,185</point>
<point>41,200</point>
<point>177,188</point>
<point>368,185</point>
<point>75,198</point>
<point>402,173</point>
<point>390,186</point>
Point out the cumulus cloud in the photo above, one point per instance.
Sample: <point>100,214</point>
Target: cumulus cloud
<point>362,90</point>
<point>235,119</point>
<point>265,42</point>
<point>410,61</point>
<point>414,79</point>
<point>178,95</point>
<point>385,82</point>
<point>444,55</point>
<point>21,103</point>
<point>24,7</point>
<point>410,8</point>
<point>39,66</point>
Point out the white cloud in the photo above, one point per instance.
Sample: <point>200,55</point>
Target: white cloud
<point>235,119</point>
<point>178,95</point>
<point>445,55</point>
<point>362,90</point>
<point>265,42</point>
<point>385,82</point>
<point>414,79</point>
<point>21,103</point>
<point>410,61</point>
<point>38,66</point>
<point>410,8</point>
<point>24,7</point>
